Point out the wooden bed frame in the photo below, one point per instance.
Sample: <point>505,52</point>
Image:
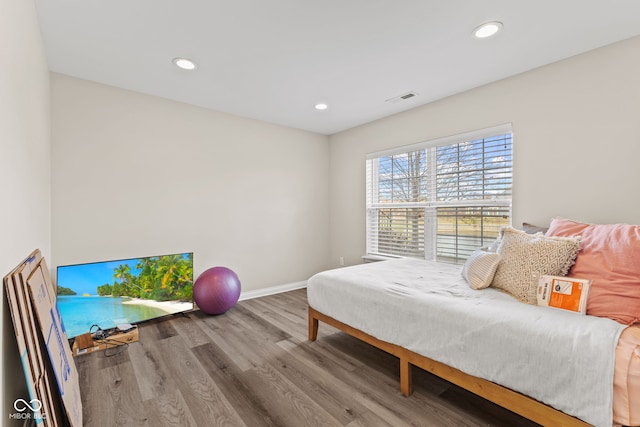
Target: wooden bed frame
<point>516,402</point>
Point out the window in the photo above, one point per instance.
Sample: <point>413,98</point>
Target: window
<point>442,199</point>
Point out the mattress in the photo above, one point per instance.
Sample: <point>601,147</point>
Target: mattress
<point>398,290</point>
<point>626,380</point>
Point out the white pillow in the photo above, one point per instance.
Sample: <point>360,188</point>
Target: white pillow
<point>480,268</point>
<point>525,254</point>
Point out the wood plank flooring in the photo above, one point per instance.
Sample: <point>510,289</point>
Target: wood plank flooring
<point>253,366</point>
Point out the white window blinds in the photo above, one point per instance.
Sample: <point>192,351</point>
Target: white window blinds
<point>441,199</point>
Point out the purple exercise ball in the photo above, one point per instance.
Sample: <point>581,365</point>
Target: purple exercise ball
<point>216,290</point>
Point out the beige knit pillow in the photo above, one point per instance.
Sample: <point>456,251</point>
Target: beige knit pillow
<point>525,254</point>
<point>480,268</point>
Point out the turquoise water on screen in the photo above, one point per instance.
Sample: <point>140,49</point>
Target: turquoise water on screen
<point>79,313</point>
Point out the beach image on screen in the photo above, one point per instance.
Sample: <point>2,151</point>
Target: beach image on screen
<point>127,291</point>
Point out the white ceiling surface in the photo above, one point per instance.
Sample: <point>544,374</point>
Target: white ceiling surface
<point>273,60</point>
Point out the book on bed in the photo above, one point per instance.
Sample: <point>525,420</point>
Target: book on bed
<point>567,293</point>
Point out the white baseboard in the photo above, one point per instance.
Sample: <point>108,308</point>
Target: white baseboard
<point>272,290</point>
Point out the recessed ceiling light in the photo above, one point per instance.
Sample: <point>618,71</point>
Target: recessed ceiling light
<point>184,63</point>
<point>487,29</point>
<point>321,106</point>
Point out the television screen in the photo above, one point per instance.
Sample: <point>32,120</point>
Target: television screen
<point>111,293</point>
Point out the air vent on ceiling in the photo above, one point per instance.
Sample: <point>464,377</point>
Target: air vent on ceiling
<point>402,97</point>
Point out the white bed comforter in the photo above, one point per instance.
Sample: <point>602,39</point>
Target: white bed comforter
<point>563,359</point>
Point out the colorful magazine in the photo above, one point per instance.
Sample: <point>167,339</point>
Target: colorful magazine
<point>567,293</point>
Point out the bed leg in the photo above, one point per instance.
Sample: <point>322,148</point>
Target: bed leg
<point>313,326</point>
<point>405,377</point>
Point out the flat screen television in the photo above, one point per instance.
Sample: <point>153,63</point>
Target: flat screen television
<point>106,294</point>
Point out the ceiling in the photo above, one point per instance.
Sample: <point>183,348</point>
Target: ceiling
<point>273,60</point>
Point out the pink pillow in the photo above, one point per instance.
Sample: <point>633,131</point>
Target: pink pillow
<point>610,257</point>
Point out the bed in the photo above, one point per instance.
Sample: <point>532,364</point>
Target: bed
<point>548,365</point>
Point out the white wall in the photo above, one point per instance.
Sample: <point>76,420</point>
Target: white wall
<point>136,175</point>
<point>576,126</point>
<point>24,168</point>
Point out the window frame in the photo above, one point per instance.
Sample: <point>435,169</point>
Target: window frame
<point>374,207</point>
